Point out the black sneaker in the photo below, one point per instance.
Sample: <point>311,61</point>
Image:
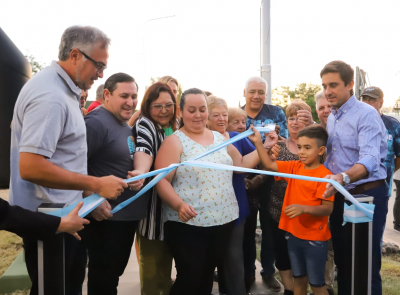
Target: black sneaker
<point>396,227</point>
<point>248,282</point>
<point>272,283</point>
<point>330,292</point>
<point>215,276</point>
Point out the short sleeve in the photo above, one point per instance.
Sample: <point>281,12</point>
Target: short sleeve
<point>320,191</point>
<point>144,134</point>
<point>322,185</point>
<point>247,146</point>
<point>94,137</point>
<point>396,139</point>
<point>43,124</point>
<point>281,121</point>
<point>285,167</point>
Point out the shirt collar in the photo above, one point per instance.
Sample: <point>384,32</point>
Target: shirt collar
<point>345,107</point>
<point>60,71</point>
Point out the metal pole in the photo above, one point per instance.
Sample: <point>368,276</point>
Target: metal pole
<point>361,253</point>
<point>266,45</point>
<point>51,259</point>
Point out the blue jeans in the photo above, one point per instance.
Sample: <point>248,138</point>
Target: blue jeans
<point>381,199</point>
<point>308,258</point>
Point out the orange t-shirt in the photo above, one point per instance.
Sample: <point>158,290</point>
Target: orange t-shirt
<point>304,192</point>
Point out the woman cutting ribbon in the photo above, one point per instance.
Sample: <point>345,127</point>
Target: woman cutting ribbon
<point>200,206</point>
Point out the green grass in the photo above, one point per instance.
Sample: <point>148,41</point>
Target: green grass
<point>10,247</point>
<point>391,274</point>
<point>19,292</point>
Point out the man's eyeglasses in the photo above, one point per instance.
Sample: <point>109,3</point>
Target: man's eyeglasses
<point>159,107</point>
<point>99,65</point>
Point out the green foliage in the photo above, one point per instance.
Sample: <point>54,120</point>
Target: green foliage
<point>303,91</point>
<point>35,65</point>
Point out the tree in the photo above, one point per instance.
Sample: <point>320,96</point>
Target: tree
<point>306,92</point>
<point>35,65</point>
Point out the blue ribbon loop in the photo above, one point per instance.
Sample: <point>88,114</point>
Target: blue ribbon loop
<point>91,202</point>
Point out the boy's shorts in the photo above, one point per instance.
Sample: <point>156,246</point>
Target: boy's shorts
<point>308,258</point>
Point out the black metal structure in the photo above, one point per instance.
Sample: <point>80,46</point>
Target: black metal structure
<point>15,71</point>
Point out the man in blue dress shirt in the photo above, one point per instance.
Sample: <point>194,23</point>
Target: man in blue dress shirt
<point>356,151</point>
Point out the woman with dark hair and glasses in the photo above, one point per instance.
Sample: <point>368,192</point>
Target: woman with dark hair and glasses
<point>157,121</point>
<point>172,83</point>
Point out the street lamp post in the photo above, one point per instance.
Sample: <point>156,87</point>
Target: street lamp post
<point>265,40</point>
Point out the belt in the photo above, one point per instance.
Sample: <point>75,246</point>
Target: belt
<point>359,189</point>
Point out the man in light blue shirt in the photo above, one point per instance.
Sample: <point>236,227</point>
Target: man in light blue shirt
<point>356,152</point>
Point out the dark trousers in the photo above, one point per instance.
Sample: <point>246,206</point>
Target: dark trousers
<point>249,244</point>
<point>109,245</point>
<point>197,251</point>
<point>396,206</point>
<point>75,263</point>
<point>267,244</point>
<point>280,247</point>
<point>342,243</point>
<point>231,270</point>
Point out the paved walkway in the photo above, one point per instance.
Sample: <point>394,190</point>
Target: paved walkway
<point>390,235</point>
<point>129,283</point>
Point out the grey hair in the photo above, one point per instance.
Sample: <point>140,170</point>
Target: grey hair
<point>320,94</point>
<point>83,38</point>
<point>214,101</point>
<point>258,80</point>
<point>100,91</point>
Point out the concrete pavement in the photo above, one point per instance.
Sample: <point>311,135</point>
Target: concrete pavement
<point>390,235</point>
<point>129,283</point>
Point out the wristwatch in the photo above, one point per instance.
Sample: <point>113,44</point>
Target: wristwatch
<point>346,178</point>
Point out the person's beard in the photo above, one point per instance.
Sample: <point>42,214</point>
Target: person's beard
<point>78,80</point>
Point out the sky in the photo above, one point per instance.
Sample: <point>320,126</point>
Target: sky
<point>215,44</point>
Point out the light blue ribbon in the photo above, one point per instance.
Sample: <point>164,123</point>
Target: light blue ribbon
<point>353,215</point>
<point>91,202</point>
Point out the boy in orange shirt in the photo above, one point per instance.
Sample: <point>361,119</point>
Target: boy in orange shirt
<point>305,212</point>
